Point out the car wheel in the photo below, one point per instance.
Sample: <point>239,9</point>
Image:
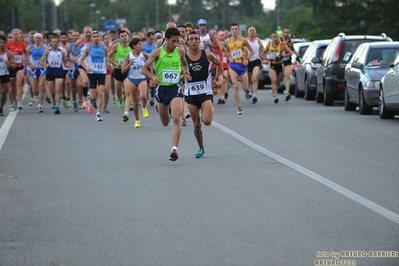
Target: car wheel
<point>364,108</point>
<point>382,110</point>
<point>328,98</point>
<point>319,97</point>
<point>309,95</point>
<point>347,104</point>
<point>298,94</point>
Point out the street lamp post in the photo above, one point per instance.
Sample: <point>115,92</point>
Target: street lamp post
<point>92,6</point>
<point>98,12</point>
<point>103,18</point>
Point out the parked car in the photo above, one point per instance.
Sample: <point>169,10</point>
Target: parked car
<point>264,78</point>
<point>364,72</point>
<point>330,74</point>
<point>388,100</point>
<point>306,81</point>
<point>301,48</point>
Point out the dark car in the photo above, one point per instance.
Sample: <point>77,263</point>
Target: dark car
<point>330,75</point>
<point>388,100</point>
<point>364,72</point>
<point>306,80</point>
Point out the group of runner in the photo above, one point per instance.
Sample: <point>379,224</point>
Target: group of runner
<point>184,68</point>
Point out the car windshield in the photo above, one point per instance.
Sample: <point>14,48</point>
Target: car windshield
<point>378,54</point>
<point>349,48</point>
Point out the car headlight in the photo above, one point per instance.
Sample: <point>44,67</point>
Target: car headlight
<point>373,84</point>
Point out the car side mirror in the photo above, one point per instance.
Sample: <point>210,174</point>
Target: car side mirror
<point>357,65</point>
<point>316,60</point>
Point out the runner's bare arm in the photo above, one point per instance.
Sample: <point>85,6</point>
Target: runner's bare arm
<point>111,54</point>
<point>249,47</point>
<point>44,59</point>
<point>10,63</point>
<point>126,64</point>
<point>82,59</point>
<point>153,56</point>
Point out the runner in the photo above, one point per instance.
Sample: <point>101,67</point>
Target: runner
<point>274,52</point>
<point>116,57</point>
<point>52,60</point>
<point>73,69</point>
<point>83,79</point>
<point>199,91</point>
<point>169,61</point>
<point>287,61</point>
<point>66,86</point>
<point>137,82</point>
<point>222,92</point>
<point>6,62</point>
<point>108,77</point>
<point>96,69</point>
<point>237,47</point>
<point>255,62</point>
<point>37,73</point>
<point>208,38</point>
<point>17,47</point>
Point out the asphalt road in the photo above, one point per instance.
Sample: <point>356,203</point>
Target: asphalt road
<point>283,184</point>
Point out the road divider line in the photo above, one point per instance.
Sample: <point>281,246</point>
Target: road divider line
<point>5,128</point>
<point>347,193</point>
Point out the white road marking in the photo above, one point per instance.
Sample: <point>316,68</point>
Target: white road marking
<point>5,128</point>
<point>347,193</point>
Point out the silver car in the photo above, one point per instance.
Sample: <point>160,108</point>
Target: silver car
<point>306,79</point>
<point>363,74</point>
<point>388,100</point>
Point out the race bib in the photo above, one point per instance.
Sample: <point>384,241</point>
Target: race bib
<point>196,88</point>
<point>171,76</point>
<point>18,59</point>
<point>55,63</point>
<point>236,54</point>
<point>273,55</point>
<point>37,64</point>
<point>224,59</point>
<point>3,69</point>
<point>100,67</point>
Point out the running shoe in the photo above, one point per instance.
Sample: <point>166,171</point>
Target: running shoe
<point>48,100</point>
<point>64,103</point>
<point>125,118</point>
<point>200,153</point>
<point>145,112</point>
<point>226,95</point>
<point>254,100</point>
<point>105,110</point>
<point>31,102</point>
<point>84,105</point>
<point>287,96</point>
<point>68,104</point>
<point>183,122</point>
<point>90,109</point>
<point>187,114</point>
<point>120,103</point>
<point>137,124</point>
<point>248,94</point>
<point>75,106</point>
<point>1,111</point>
<point>152,101</point>
<point>239,111</point>
<point>275,100</point>
<point>173,155</point>
<point>131,107</point>
<point>98,118</point>
<point>20,106</point>
<point>57,110</point>
<point>12,109</point>
<point>113,100</point>
<point>39,109</point>
<point>221,101</point>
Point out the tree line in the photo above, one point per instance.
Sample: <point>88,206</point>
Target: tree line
<point>312,19</point>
